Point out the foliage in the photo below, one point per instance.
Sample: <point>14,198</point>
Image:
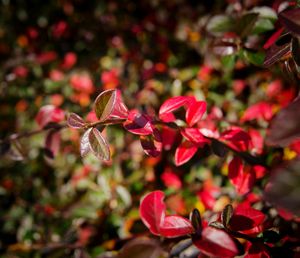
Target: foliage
<point>149,129</point>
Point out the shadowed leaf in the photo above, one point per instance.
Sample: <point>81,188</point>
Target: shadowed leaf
<point>98,145</point>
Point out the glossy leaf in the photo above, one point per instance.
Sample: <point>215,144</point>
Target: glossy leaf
<point>216,243</point>
<point>170,105</point>
<point>273,38</point>
<point>278,51</point>
<point>98,145</point>
<point>285,125</point>
<point>245,217</point>
<point>75,121</point>
<point>120,110</point>
<point>195,112</point>
<point>104,104</point>
<point>291,20</point>
<point>194,135</point>
<point>184,152</point>
<point>226,214</point>
<point>195,218</point>
<point>237,139</point>
<point>137,123</point>
<point>175,226</point>
<point>152,211</point>
<point>84,143</point>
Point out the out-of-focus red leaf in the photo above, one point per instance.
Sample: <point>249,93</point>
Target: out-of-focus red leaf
<point>82,82</point>
<point>262,110</point>
<point>169,136</point>
<point>245,217</point>
<point>216,243</point>
<point>104,104</point>
<point>152,211</point>
<point>48,114</point>
<point>75,121</point>
<point>184,152</point>
<point>285,126</point>
<point>273,38</point>
<point>242,180</point>
<point>152,144</point>
<point>137,123</point>
<point>175,226</point>
<point>52,142</point>
<point>291,20</point>
<point>237,139</point>
<point>98,145</point>
<point>194,112</point>
<point>257,141</point>
<point>170,105</point>
<point>259,171</point>
<point>194,135</point>
<point>171,179</point>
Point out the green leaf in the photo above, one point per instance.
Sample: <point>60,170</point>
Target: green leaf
<point>245,25</point>
<point>104,104</point>
<point>262,25</point>
<point>226,215</point>
<point>256,58</point>
<point>219,23</point>
<point>99,145</point>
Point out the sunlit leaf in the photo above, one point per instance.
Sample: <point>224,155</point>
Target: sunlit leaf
<point>104,104</point>
<point>184,152</point>
<point>98,145</point>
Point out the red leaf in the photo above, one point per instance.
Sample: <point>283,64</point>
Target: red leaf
<point>52,142</point>
<point>137,123</point>
<point>120,110</point>
<point>170,105</point>
<point>152,211</point>
<point>169,136</point>
<point>104,104</point>
<point>216,243</point>
<point>243,181</point>
<point>175,226</point>
<point>273,38</point>
<point>194,135</point>
<point>195,112</point>
<point>257,250</point>
<point>237,139</point>
<point>260,110</point>
<point>257,141</point>
<point>48,114</point>
<point>75,121</point>
<point>171,179</point>
<point>184,152</point>
<point>245,217</point>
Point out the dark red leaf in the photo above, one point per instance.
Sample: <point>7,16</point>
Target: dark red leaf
<point>52,142</point>
<point>75,121</point>
<point>291,20</point>
<point>137,123</point>
<point>175,226</point>
<point>216,243</point>
<point>285,126</point>
<point>152,211</point>
<point>194,112</point>
<point>104,104</point>
<point>184,152</point>
<point>152,144</point>
<point>245,217</point>
<point>170,105</point>
<point>257,250</point>
<point>169,136</point>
